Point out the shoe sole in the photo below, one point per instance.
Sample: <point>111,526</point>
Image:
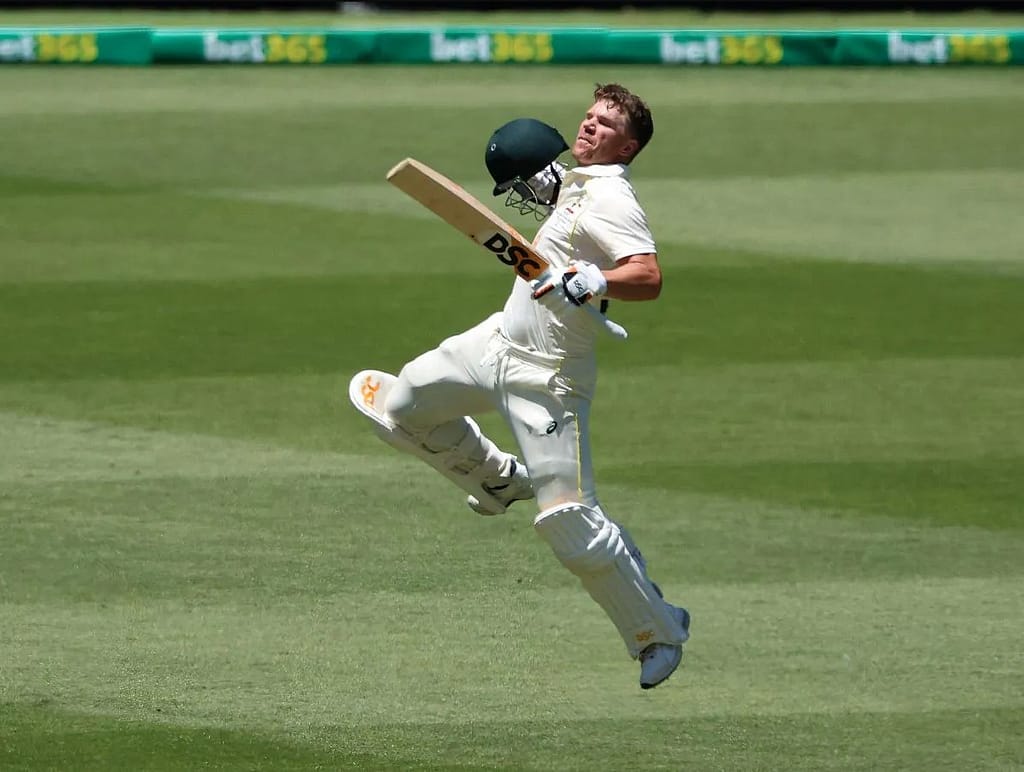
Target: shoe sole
<point>684,622</point>
<point>487,513</point>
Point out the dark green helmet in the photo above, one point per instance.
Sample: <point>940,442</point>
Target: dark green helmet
<point>520,149</point>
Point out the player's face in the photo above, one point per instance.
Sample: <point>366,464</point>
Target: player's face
<point>603,137</point>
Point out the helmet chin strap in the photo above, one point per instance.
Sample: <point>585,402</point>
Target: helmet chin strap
<point>539,194</point>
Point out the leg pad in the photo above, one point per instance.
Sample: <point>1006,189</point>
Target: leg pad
<point>368,391</point>
<point>591,547</point>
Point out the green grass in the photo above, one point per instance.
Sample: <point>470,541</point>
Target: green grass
<point>816,434</point>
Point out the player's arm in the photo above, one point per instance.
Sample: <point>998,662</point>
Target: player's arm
<point>637,277</point>
<point>618,227</point>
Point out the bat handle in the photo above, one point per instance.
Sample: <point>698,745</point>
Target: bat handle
<point>614,329</point>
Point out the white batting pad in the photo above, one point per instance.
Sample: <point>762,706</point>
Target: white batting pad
<point>368,390</point>
<point>591,546</point>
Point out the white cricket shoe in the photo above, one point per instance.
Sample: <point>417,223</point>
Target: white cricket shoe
<point>518,488</point>
<point>660,660</point>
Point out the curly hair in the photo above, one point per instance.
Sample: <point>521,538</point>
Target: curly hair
<point>638,114</point>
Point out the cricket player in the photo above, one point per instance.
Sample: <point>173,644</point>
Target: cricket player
<point>534,362</point>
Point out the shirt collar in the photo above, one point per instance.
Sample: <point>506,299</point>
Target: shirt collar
<point>602,170</point>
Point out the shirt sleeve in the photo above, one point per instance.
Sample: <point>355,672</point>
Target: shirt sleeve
<point>617,224</point>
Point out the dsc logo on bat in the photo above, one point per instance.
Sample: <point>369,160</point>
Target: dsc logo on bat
<point>512,254</point>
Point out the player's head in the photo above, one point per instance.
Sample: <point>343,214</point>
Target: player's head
<point>616,127</point>
<point>521,157</point>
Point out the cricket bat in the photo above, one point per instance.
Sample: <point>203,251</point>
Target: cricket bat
<point>466,214</point>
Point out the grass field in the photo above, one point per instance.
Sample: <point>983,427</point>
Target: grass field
<point>816,434</point>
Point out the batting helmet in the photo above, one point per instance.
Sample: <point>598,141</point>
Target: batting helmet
<point>520,149</point>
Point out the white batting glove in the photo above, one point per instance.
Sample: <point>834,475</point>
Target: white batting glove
<point>580,282</point>
<point>557,303</point>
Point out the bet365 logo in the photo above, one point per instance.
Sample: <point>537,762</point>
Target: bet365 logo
<point>513,255</point>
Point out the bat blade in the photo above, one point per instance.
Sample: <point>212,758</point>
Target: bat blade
<point>464,212</point>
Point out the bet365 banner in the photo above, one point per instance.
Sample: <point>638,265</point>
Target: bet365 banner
<point>263,46</point>
<point>817,48</point>
<point>929,48</point>
<point>76,46</point>
<point>408,46</point>
<point>506,46</point>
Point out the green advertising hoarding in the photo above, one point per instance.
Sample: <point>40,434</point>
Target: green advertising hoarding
<point>915,47</point>
<point>720,47</point>
<point>513,45</point>
<point>263,46</point>
<point>76,46</point>
<point>496,46</point>
<point>408,46</point>
<point>534,45</point>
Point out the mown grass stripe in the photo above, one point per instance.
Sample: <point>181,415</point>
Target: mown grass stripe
<point>820,647</point>
<point>45,451</point>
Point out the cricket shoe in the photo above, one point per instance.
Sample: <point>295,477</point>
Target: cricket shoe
<point>660,660</point>
<point>518,488</point>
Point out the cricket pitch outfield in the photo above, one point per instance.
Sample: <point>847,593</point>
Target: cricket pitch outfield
<point>818,430</point>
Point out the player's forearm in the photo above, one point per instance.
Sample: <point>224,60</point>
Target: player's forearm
<point>637,278</point>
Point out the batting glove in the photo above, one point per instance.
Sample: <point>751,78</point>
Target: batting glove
<point>580,282</point>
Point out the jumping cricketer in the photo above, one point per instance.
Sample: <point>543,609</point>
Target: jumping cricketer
<point>534,362</point>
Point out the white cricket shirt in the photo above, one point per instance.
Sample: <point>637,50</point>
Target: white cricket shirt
<point>597,219</point>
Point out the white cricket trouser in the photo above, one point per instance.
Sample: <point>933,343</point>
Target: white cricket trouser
<point>544,400</point>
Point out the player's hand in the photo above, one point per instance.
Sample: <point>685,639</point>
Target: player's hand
<point>555,302</point>
<point>579,282</point>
